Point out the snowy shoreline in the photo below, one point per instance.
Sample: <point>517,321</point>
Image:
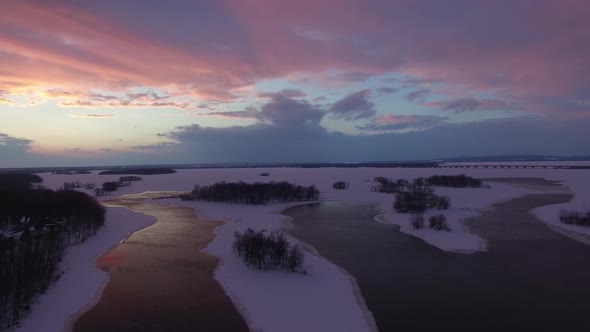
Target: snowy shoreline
<point>278,300</point>
<point>465,204</point>
<point>82,282</point>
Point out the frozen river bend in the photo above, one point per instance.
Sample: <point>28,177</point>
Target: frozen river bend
<point>530,278</point>
<point>160,278</point>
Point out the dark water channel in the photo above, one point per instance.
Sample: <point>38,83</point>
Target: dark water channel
<point>161,281</point>
<point>531,279</point>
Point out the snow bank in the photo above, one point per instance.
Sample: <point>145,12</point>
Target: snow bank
<point>81,283</point>
<point>327,298</point>
<point>579,184</point>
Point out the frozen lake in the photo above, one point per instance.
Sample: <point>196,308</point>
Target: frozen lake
<point>532,278</point>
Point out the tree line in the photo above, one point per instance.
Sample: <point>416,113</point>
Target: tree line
<point>454,181</point>
<point>256,193</point>
<point>267,251</point>
<point>71,172</point>
<point>130,178</point>
<point>570,217</point>
<point>141,171</point>
<point>36,225</point>
<point>387,185</point>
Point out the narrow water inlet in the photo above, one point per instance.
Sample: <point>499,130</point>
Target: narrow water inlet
<point>160,279</point>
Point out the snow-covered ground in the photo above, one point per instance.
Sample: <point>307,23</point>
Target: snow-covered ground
<point>325,299</point>
<point>465,202</point>
<point>81,283</point>
<point>580,186</point>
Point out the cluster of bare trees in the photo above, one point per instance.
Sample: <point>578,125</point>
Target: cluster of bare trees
<point>267,251</point>
<point>77,184</point>
<point>256,193</point>
<point>419,200</point>
<point>36,225</point>
<point>455,181</point>
<point>110,186</point>
<point>386,185</point>
<point>130,178</point>
<point>436,222</point>
<point>418,195</point>
<point>340,185</point>
<point>570,217</point>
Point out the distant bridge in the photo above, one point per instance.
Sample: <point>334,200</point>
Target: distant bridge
<point>515,166</point>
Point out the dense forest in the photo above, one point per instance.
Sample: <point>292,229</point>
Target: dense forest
<point>256,193</point>
<point>36,225</point>
<point>267,251</point>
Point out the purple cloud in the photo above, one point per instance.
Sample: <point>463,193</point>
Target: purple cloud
<point>387,90</point>
<point>352,76</point>
<point>280,110</point>
<point>314,143</point>
<point>289,93</point>
<point>417,94</point>
<point>470,104</point>
<point>390,122</point>
<point>355,106</point>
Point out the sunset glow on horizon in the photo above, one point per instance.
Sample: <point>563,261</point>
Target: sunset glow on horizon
<point>136,82</point>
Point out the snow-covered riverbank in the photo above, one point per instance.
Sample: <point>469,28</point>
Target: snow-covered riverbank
<point>464,202</point>
<point>325,299</point>
<point>81,283</point>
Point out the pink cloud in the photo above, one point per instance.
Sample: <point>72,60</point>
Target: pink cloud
<point>216,50</point>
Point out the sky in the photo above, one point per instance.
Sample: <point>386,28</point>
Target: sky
<point>110,82</point>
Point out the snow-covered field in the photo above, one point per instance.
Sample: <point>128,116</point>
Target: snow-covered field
<point>325,299</point>
<point>465,202</point>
